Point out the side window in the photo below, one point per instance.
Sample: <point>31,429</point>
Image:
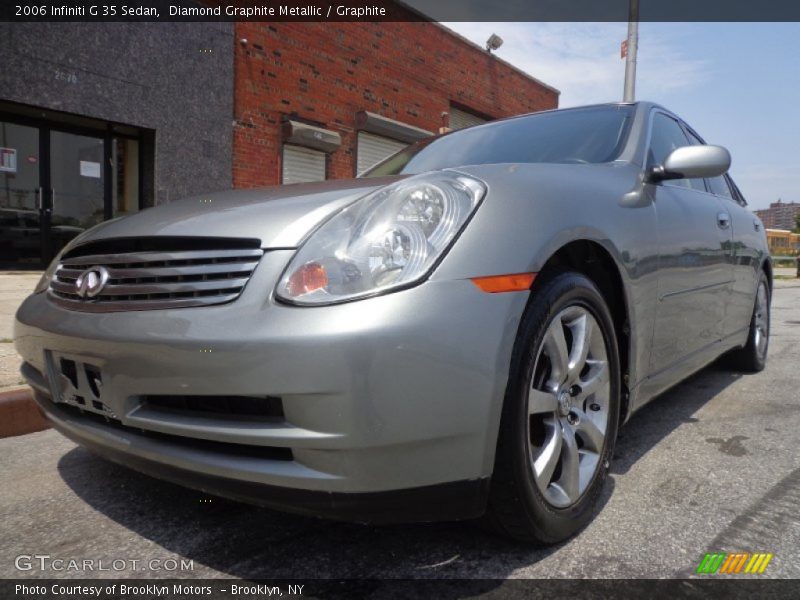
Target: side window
<point>735,191</point>
<point>719,187</point>
<point>667,135</point>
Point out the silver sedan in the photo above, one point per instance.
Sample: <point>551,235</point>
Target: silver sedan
<point>458,333</point>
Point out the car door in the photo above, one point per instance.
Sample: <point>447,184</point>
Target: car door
<point>694,271</point>
<point>745,257</point>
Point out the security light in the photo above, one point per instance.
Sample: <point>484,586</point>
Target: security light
<point>494,42</point>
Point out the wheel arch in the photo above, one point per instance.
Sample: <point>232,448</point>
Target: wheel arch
<point>595,261</point>
<point>766,266</point>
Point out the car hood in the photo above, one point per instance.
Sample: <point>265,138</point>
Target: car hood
<point>283,216</point>
<point>280,217</point>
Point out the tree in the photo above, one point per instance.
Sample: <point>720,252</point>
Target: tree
<point>797,223</point>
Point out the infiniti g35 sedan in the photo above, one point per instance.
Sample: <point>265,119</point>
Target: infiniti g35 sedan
<point>457,333</point>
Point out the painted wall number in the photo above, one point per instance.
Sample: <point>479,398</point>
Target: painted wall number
<point>66,76</point>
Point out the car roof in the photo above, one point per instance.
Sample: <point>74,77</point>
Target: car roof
<point>640,106</point>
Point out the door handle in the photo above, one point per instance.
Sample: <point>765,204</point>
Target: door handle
<point>723,220</point>
<point>39,199</point>
<point>53,199</point>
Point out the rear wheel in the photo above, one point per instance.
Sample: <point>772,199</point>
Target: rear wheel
<point>753,356</point>
<point>560,413</point>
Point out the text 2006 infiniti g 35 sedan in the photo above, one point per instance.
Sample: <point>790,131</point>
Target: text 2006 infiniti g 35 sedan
<point>459,332</point>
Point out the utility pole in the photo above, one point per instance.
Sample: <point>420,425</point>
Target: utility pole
<point>632,48</point>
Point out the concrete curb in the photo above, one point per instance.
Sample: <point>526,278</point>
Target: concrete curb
<point>19,413</point>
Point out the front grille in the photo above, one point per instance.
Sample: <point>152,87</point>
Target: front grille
<point>150,273</point>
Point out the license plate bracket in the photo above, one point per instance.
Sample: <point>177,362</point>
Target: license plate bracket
<point>76,381</point>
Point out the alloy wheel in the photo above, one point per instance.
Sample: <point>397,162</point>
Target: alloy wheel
<point>568,406</point>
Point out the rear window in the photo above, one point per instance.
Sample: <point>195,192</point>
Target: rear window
<point>584,135</point>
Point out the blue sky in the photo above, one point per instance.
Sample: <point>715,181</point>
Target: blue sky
<point>737,84</point>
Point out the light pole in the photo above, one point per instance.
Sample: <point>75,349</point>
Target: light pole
<point>630,56</point>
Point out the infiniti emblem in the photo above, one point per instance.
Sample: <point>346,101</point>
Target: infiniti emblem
<point>91,282</point>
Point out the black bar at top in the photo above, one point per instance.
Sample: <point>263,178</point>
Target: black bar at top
<point>405,10</point>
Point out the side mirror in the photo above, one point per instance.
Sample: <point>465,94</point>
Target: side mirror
<point>689,162</point>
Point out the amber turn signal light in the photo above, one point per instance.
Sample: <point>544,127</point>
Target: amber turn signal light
<point>309,277</point>
<point>494,284</point>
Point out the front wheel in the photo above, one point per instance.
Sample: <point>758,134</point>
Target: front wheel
<point>560,414</point>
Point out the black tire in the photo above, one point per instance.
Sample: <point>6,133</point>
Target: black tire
<point>752,357</point>
<point>517,507</point>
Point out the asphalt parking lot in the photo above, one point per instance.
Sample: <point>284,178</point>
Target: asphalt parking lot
<point>712,465</point>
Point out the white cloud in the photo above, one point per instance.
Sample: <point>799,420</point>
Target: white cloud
<point>583,60</point>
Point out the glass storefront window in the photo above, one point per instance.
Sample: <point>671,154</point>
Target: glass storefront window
<point>76,174</point>
<point>57,181</point>
<point>20,226</point>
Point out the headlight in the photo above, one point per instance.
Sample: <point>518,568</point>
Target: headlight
<point>389,239</point>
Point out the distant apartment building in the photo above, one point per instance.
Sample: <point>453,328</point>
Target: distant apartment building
<point>779,215</point>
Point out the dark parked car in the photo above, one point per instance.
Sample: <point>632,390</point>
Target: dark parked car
<point>20,235</point>
<point>461,332</point>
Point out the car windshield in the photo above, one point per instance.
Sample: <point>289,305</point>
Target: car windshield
<point>584,135</point>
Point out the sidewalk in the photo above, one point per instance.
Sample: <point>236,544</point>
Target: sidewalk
<point>785,272</point>
<point>14,287</point>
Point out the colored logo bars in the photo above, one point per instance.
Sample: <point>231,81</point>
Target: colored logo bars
<point>735,562</point>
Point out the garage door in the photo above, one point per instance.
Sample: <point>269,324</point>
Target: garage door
<point>459,119</point>
<point>372,149</point>
<point>302,164</point>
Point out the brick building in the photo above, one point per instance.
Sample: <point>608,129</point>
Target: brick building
<point>315,100</point>
<point>779,215</point>
<point>91,130</point>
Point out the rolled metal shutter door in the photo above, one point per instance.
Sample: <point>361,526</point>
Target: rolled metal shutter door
<point>372,149</point>
<point>302,164</point>
<point>459,119</point>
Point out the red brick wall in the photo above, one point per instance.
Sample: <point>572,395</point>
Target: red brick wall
<point>326,72</point>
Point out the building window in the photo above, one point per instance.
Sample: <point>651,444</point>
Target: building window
<point>380,137</point>
<point>459,118</point>
<point>302,164</point>
<point>372,149</point>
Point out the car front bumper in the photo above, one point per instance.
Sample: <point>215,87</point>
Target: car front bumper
<point>395,397</point>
